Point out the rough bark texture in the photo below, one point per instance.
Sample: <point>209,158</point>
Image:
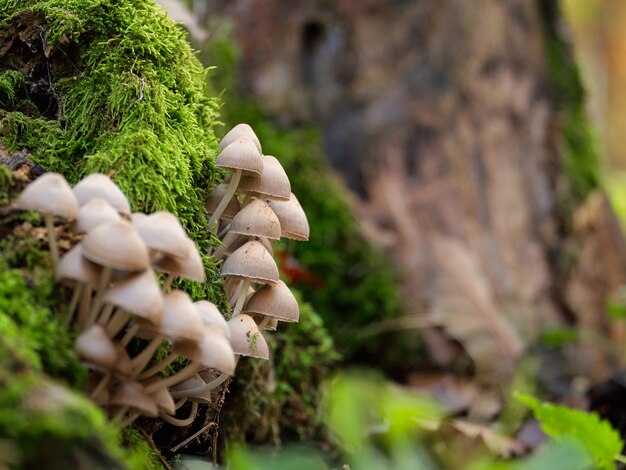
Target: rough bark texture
<point>442,117</point>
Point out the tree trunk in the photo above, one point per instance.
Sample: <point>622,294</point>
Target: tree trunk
<point>460,126</point>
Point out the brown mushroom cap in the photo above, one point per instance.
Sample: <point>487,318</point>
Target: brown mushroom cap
<point>163,399</point>
<point>210,315</point>
<point>139,294</point>
<point>293,221</point>
<point>274,301</point>
<point>257,219</point>
<point>245,337</point>
<point>133,395</point>
<point>240,130</point>
<point>242,155</point>
<point>95,212</point>
<point>163,232</point>
<point>73,265</point>
<point>95,347</point>
<point>252,261</point>
<point>180,321</point>
<point>242,240</point>
<point>272,184</point>
<point>214,350</point>
<point>116,245</point>
<point>191,267</point>
<point>215,198</point>
<point>99,185</point>
<point>49,194</point>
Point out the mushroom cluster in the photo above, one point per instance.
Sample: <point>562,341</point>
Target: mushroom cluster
<point>116,297</point>
<point>253,209</point>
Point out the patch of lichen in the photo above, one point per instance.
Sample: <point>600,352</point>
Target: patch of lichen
<point>356,284</point>
<point>126,96</point>
<point>581,161</point>
<point>279,400</point>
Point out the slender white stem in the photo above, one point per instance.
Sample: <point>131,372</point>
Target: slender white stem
<point>52,241</point>
<point>181,422</point>
<point>158,367</point>
<point>228,194</point>
<point>191,392</point>
<point>118,320</point>
<point>104,316</point>
<point>223,232</point>
<point>242,298</point>
<point>168,282</point>
<point>78,289</point>
<point>228,240</point>
<point>83,310</point>
<point>105,276</point>
<point>264,322</point>
<point>100,387</point>
<point>130,334</point>
<point>177,378</point>
<point>143,358</point>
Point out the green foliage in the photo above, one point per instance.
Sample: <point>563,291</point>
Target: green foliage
<point>596,436</point>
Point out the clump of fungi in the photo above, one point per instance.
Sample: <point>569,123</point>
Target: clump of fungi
<point>117,300</point>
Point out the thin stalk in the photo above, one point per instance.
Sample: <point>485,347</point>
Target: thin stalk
<point>130,334</point>
<point>105,315</point>
<point>242,298</point>
<point>158,367</point>
<point>180,403</point>
<point>105,277</point>
<point>181,422</point>
<point>78,289</point>
<point>168,282</point>
<point>264,322</point>
<point>85,305</point>
<point>118,320</point>
<point>228,194</point>
<point>177,378</point>
<point>52,241</point>
<point>100,387</point>
<point>130,420</point>
<point>212,385</point>
<point>223,232</point>
<point>228,240</point>
<point>143,358</point>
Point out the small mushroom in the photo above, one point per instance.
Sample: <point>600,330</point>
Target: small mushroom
<point>272,184</point>
<point>163,235</point>
<point>191,267</point>
<point>293,222</point>
<point>273,301</point>
<point>99,185</point>
<point>240,130</point>
<point>51,195</point>
<point>214,199</point>
<point>95,212</point>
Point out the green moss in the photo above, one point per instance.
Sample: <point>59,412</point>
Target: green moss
<point>580,150</point>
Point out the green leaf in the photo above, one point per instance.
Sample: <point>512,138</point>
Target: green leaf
<point>595,435</point>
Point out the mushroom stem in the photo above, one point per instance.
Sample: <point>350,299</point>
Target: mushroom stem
<point>118,320</point>
<point>100,387</point>
<point>130,420</point>
<point>212,385</point>
<point>223,232</point>
<point>83,310</point>
<point>78,289</point>
<point>143,358</point>
<point>228,194</point>
<point>228,240</point>
<point>235,294</point>
<point>181,422</point>
<point>158,367</point>
<point>105,315</point>
<point>177,378</point>
<point>264,322</point>
<point>52,242</point>
<point>168,282</point>
<point>130,334</point>
<point>180,403</point>
<point>242,298</point>
<point>105,276</point>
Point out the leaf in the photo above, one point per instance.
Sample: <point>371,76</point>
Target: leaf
<point>497,443</point>
<point>595,435</point>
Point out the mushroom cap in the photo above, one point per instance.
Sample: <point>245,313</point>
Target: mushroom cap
<point>214,199</point>
<point>214,350</point>
<point>95,347</point>
<point>191,383</point>
<point>95,212</point>
<point>140,294</point>
<point>272,184</point>
<point>246,338</point>
<point>73,265</point>
<point>252,261</point>
<point>191,267</point>
<point>163,232</point>
<point>210,315</point>
<point>180,322</point>
<point>241,241</point>
<point>49,194</point>
<point>163,399</point>
<point>274,301</point>
<point>240,130</point>
<point>116,245</point>
<point>242,155</point>
<point>293,222</point>
<point>99,185</point>
<point>133,395</point>
<point>257,219</point>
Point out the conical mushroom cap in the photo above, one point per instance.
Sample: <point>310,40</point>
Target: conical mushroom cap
<point>139,294</point>
<point>164,400</point>
<point>133,395</point>
<point>99,185</point>
<point>241,155</point>
<point>245,337</point>
<point>97,211</point>
<point>240,130</point>
<point>257,219</point>
<point>275,301</point>
<point>191,267</point>
<point>73,265</point>
<point>214,199</point>
<point>116,245</point>
<point>210,315</point>
<point>242,240</point>
<point>252,261</point>
<point>181,321</point>
<point>95,347</point>
<point>214,350</point>
<point>194,382</point>
<point>293,222</point>
<point>49,194</point>
<point>163,232</point>
<point>272,184</point>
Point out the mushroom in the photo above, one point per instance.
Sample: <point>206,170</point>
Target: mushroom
<point>214,198</point>
<point>240,130</point>
<point>191,267</point>
<point>293,222</point>
<point>273,301</point>
<point>242,157</point>
<point>95,212</point>
<point>131,394</point>
<point>251,262</point>
<point>99,185</point>
<point>255,220</point>
<point>272,184</point>
<point>210,315</point>
<point>51,195</point>
<point>114,245</point>
<point>163,235</point>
